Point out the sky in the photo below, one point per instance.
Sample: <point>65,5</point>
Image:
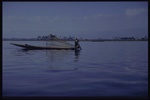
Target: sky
<point>77,19</point>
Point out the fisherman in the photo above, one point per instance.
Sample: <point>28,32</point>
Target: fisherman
<point>77,43</point>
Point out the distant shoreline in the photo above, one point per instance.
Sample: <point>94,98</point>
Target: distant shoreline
<point>80,40</point>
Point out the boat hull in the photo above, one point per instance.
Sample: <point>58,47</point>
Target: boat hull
<point>30,47</point>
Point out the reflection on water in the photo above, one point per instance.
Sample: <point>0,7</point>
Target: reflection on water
<point>57,55</point>
<point>20,52</point>
<point>52,55</point>
<point>77,53</point>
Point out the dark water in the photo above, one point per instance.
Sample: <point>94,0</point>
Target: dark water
<point>101,69</point>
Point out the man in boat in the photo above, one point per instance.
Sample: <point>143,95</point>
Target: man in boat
<point>77,43</point>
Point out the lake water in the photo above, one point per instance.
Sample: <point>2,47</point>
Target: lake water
<point>103,69</point>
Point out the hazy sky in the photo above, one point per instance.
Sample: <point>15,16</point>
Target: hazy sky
<point>78,19</point>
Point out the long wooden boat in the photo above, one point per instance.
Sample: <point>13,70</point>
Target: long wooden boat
<point>30,47</point>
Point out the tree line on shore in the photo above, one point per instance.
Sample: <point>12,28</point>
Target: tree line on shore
<point>70,38</point>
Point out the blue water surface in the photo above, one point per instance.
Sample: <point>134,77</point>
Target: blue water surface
<point>100,69</point>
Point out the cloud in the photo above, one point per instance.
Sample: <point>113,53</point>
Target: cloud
<point>14,18</point>
<point>96,16</point>
<point>54,19</point>
<point>134,12</point>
